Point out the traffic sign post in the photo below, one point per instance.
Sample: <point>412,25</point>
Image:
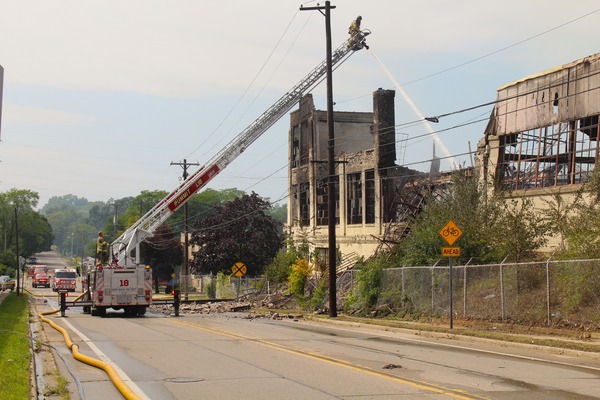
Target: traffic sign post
<point>239,269</point>
<point>450,233</point>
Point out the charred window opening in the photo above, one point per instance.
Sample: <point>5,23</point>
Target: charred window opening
<point>304,205</point>
<point>589,126</point>
<point>370,197</point>
<point>553,155</point>
<point>304,144</point>
<point>354,199</point>
<point>321,202</point>
<point>322,205</point>
<point>300,145</point>
<point>295,147</point>
<point>555,104</point>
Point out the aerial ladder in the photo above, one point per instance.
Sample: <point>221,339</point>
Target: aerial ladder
<point>125,249</point>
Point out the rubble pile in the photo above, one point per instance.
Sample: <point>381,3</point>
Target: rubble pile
<point>246,306</point>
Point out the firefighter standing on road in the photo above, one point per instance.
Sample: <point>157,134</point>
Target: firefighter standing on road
<point>101,249</point>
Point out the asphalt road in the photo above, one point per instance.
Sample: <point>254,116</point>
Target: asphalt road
<point>230,356</point>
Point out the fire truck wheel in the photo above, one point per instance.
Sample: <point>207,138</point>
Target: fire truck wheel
<point>98,311</point>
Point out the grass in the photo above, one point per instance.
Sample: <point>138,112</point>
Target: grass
<point>15,355</point>
<point>61,389</point>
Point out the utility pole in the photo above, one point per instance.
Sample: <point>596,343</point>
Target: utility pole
<point>115,218</point>
<point>330,162</point>
<point>186,256</point>
<point>19,288</point>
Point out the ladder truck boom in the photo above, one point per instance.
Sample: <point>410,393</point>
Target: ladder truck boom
<point>124,245</point>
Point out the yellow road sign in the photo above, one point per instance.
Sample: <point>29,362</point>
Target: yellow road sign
<point>450,251</point>
<point>450,232</point>
<point>239,269</point>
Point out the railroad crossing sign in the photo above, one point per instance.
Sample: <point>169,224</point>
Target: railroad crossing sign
<point>238,269</point>
<point>450,232</point>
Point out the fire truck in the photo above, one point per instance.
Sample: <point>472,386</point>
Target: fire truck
<point>64,279</point>
<point>124,283</point>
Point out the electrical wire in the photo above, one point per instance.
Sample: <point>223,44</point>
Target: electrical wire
<point>245,91</point>
<point>487,54</point>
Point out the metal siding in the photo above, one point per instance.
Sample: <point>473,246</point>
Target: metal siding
<point>528,104</point>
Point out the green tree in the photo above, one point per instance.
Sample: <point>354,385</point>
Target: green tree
<point>582,225</point>
<point>204,205</point>
<point>35,233</point>
<point>114,227</point>
<point>57,203</point>
<point>62,219</point>
<point>240,230</point>
<point>98,214</point>
<point>466,202</point>
<point>140,205</point>
<point>523,229</point>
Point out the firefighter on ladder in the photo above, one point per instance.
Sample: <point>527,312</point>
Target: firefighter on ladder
<point>102,249</point>
<point>355,33</point>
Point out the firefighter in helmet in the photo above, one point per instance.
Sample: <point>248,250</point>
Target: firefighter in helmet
<point>355,27</point>
<point>101,249</point>
<point>356,40</point>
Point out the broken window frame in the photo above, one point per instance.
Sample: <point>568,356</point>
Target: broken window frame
<point>354,198</point>
<point>564,153</point>
<point>304,203</point>
<point>322,207</point>
<point>370,196</point>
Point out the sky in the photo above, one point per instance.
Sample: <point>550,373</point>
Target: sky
<point>100,97</point>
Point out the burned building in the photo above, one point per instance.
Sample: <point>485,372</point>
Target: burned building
<point>544,129</point>
<point>542,137</point>
<point>366,182</point>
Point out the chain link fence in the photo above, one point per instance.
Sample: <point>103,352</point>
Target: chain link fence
<point>551,293</point>
<point>221,286</point>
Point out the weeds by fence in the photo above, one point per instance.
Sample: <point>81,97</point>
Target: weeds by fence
<point>550,293</point>
<point>222,286</point>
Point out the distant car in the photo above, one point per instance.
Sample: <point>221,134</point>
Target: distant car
<point>32,260</point>
<point>40,279</point>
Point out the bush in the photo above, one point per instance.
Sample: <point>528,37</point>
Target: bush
<point>211,289</point>
<point>298,277</point>
<point>319,297</point>
<point>281,267</point>
<point>369,282</point>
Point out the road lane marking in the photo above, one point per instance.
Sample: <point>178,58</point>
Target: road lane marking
<point>438,389</point>
<point>135,388</point>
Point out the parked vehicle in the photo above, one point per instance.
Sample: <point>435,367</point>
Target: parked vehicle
<point>6,283</point>
<point>40,279</point>
<point>34,269</point>
<point>64,279</point>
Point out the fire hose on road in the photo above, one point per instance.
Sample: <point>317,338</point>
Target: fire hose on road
<point>110,371</point>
